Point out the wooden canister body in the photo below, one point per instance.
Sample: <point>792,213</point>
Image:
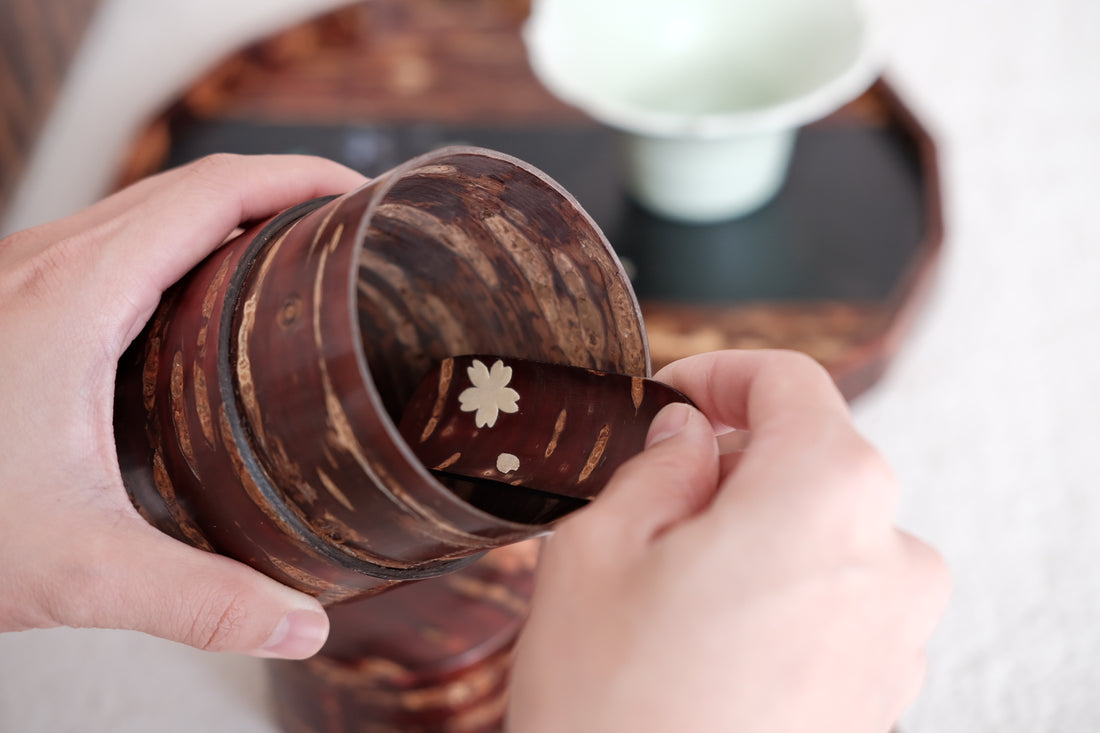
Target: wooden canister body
<point>255,415</point>
<point>429,657</point>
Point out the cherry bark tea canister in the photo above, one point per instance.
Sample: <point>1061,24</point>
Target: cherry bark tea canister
<point>255,415</point>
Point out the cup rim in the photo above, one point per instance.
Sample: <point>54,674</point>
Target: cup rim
<point>855,78</point>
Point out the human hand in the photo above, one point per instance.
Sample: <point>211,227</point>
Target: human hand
<point>766,591</point>
<point>73,295</point>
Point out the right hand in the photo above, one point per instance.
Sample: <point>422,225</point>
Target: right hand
<point>767,591</point>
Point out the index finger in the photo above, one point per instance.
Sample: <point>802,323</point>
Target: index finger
<point>805,459</point>
<point>758,390</point>
<point>190,214</point>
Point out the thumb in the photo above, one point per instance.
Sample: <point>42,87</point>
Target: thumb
<point>149,582</point>
<point>672,479</point>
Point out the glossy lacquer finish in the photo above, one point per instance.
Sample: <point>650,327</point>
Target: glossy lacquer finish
<point>256,415</point>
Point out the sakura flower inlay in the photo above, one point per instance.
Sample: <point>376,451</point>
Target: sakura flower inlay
<point>490,394</point>
<point>575,427</point>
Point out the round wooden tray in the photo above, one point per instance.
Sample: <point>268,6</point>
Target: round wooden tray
<point>836,266</point>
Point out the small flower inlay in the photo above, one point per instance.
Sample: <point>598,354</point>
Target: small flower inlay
<point>490,394</point>
<point>506,463</point>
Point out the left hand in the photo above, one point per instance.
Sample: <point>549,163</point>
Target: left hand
<point>73,295</point>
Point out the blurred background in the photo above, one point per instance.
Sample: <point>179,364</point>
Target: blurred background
<point>974,366</point>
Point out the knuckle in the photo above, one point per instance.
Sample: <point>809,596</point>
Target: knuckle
<point>859,498</point>
<point>860,469</point>
<point>84,589</point>
<point>216,164</point>
<point>211,171</point>
<point>869,470</point>
<point>800,364</point>
<point>49,268</point>
<point>39,273</point>
<point>76,595</point>
<point>218,623</point>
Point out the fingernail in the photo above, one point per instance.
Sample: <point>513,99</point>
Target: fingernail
<point>298,635</point>
<point>669,421</point>
<point>734,441</point>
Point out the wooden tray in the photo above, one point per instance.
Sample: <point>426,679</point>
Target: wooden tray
<point>836,266</point>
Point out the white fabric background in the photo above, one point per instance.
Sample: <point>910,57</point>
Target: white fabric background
<point>991,414</point>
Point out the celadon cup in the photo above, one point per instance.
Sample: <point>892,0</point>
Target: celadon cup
<point>708,94</point>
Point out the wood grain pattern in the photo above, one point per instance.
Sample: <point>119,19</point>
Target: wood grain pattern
<point>431,657</point>
<point>256,415</point>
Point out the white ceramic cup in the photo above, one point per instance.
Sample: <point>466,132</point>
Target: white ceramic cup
<point>708,94</point>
